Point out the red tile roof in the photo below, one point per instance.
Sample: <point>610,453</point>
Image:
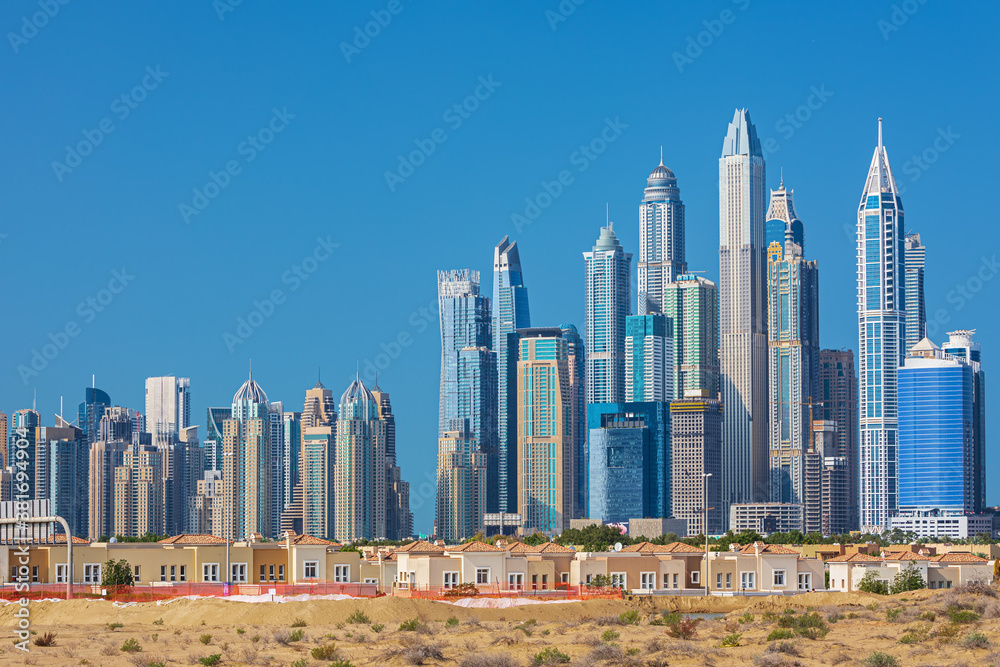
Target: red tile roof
<point>769,549</point>
<point>420,546</point>
<point>905,555</point>
<point>545,548</point>
<point>53,540</point>
<point>672,548</point>
<point>309,540</point>
<point>958,557</point>
<point>473,547</point>
<point>855,558</point>
<point>192,539</point>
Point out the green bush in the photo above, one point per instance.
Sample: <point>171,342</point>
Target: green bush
<point>630,617</point>
<point>928,616</point>
<point>324,652</point>
<point>240,631</point>
<point>892,614</point>
<point>358,617</point>
<point>879,659</point>
<point>958,615</point>
<point>609,636</point>
<point>296,635</point>
<point>205,639</point>
<point>466,589</point>
<point>915,635</point>
<point>746,618</point>
<point>680,627</point>
<point>976,640</point>
<point>732,639</point>
<point>870,583</point>
<point>550,656</point>
<point>341,663</point>
<point>298,623</point>
<point>131,645</point>
<point>451,622</point>
<point>210,660</point>
<point>780,633</point>
<point>411,625</point>
<point>811,626</point>
<point>908,579</point>
<point>159,621</point>
<point>111,627</point>
<point>378,627</point>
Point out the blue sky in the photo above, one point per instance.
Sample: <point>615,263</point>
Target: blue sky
<point>287,135</point>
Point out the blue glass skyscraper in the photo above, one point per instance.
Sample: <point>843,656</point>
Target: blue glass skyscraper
<point>916,311</point>
<point>576,358</point>
<point>661,238</point>
<point>649,358</point>
<point>881,337</point>
<point>468,367</point>
<point>510,313</point>
<point>608,285</point>
<point>936,447</point>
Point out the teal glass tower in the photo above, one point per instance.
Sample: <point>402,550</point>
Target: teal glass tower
<point>649,359</point>
<point>608,284</point>
<point>914,254</point>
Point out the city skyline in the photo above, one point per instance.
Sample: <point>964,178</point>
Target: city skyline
<point>323,178</point>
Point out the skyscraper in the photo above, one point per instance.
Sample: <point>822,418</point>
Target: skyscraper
<point>398,518</point>
<point>743,317</point>
<point>104,458</point>
<point>359,467</point>
<point>168,407</point>
<point>510,313</point>
<point>936,444</point>
<point>140,493</point>
<point>320,409</point>
<point>961,346</point>
<point>649,358</point>
<point>24,427</point>
<point>68,478</point>
<point>882,337</point>
<point>4,457</point>
<point>318,444</point>
<point>914,254</point>
<point>696,462</point>
<point>544,437</point>
<point>793,351</point>
<point>91,410</point>
<point>838,391</point>
<point>245,501</point>
<point>461,485</point>
<point>468,366</point>
<point>630,470</point>
<point>576,356</point>
<point>692,304</point>
<point>661,238</point>
<point>213,438</point>
<point>607,274</point>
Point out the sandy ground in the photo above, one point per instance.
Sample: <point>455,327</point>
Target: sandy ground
<point>589,633</point>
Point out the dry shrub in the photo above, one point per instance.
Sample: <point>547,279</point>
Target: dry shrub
<point>505,640</point>
<point>109,649</point>
<point>607,620</point>
<point>838,658</point>
<point>788,648</point>
<point>417,654</point>
<point>489,660</point>
<point>774,660</point>
<point>282,636</point>
<point>606,653</point>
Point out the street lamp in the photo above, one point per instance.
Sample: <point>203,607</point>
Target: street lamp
<point>704,521</point>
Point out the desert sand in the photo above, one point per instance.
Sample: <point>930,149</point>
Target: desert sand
<point>588,633</point>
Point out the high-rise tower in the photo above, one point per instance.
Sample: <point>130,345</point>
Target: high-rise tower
<point>743,318</point>
<point>510,313</point>
<point>916,311</point>
<point>692,304</point>
<point>661,238</point>
<point>359,467</point>
<point>168,407</point>
<point>881,337</point>
<point>608,282</point>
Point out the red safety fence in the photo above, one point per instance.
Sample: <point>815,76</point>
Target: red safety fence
<point>158,591</point>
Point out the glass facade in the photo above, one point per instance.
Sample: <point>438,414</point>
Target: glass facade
<point>661,238</point>
<point>692,306</point>
<point>607,271</point>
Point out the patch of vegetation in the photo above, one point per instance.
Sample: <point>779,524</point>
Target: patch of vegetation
<point>324,652</point>
<point>879,659</point>
<point>891,615</point>
<point>111,627</point>
<point>131,645</point>
<point>46,639</point>
<point>466,589</point>
<point>908,579</point>
<point>915,635</point>
<point>959,615</point>
<point>746,618</point>
<point>159,621</point>
<point>680,627</point>
<point>630,617</point>
<point>210,660</point>
<point>451,622</point>
<point>299,623</point>
<point>378,627</point>
<point>358,617</point>
<point>296,635</point>
<point>870,583</point>
<point>205,639</point>
<point>976,640</point>
<point>341,663</point>
<point>610,636</point>
<point>732,639</point>
<point>411,625</point>
<point>550,656</point>
<point>780,633</point>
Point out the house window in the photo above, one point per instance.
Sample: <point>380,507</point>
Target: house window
<point>342,573</point>
<point>695,577</point>
<point>371,580</point>
<point>748,580</point>
<point>779,578</point>
<point>647,581</point>
<point>534,582</point>
<point>310,569</point>
<point>805,581</point>
<point>92,573</point>
<point>239,572</point>
<point>34,574</point>
<point>450,579</point>
<point>564,577</point>
<point>270,572</point>
<point>163,573</point>
<point>619,579</point>
<point>209,571</point>
<point>60,573</point>
<point>135,577</point>
<point>173,572</point>
<point>545,582</point>
<point>183,572</point>
<point>281,573</point>
<point>263,573</point>
<point>482,575</point>
<point>675,580</point>
<point>515,581</point>
<point>588,578</point>
<point>718,580</point>
<point>729,579</point>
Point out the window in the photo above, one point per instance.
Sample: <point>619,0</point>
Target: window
<point>619,579</point>
<point>239,573</point>
<point>695,577</point>
<point>534,582</point>
<point>209,571</point>
<point>173,572</point>
<point>342,573</point>
<point>515,581</point>
<point>183,572</point>
<point>270,572</point>
<point>675,580</point>
<point>34,574</point>
<point>450,579</point>
<point>564,577</point>
<point>482,575</point>
<point>92,573</point>
<point>371,580</point>
<point>310,569</point>
<point>281,573</point>
<point>163,573</point>
<point>805,581</point>
<point>748,580</point>
<point>135,577</point>
<point>60,573</point>
<point>545,582</point>
<point>647,581</point>
<point>718,580</point>
<point>587,580</point>
<point>263,572</point>
<point>729,579</point>
<point>779,578</point>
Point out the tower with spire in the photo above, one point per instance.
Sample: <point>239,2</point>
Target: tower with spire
<point>359,469</point>
<point>661,238</point>
<point>607,276</point>
<point>742,314</point>
<point>881,337</point>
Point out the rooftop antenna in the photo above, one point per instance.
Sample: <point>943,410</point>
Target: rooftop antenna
<point>880,133</point>
<point>34,401</point>
<point>782,171</point>
<point>93,381</point>
<point>319,375</point>
<point>661,155</point>
<point>60,406</point>
<point>607,215</point>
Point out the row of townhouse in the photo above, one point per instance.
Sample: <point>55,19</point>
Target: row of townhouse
<point>945,570</point>
<point>187,559</point>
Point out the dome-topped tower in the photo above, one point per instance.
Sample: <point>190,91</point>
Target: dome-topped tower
<point>661,184</point>
<point>250,392</point>
<point>357,402</point>
<point>661,238</point>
